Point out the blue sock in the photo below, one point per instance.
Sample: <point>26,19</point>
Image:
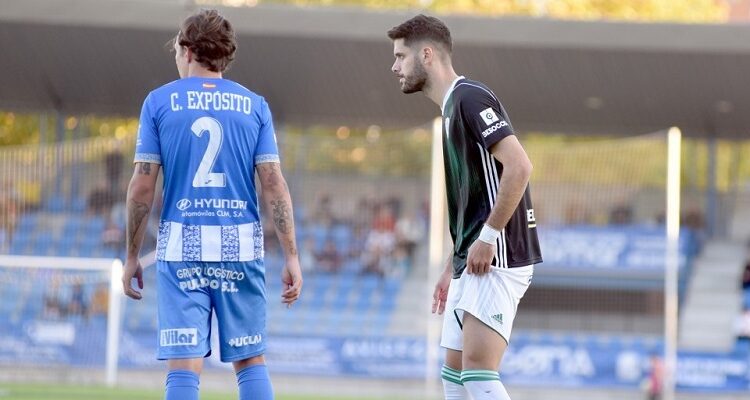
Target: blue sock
<point>182,385</point>
<point>254,383</point>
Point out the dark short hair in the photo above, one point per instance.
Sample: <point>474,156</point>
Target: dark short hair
<point>423,27</point>
<point>210,37</point>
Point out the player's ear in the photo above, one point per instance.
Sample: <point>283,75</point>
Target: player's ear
<point>427,54</point>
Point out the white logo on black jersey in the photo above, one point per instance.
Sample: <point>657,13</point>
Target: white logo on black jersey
<point>489,116</point>
<point>493,128</point>
<point>447,125</point>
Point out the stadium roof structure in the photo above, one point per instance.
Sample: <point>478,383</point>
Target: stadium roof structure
<point>332,66</point>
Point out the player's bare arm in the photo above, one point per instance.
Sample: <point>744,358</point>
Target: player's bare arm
<point>139,200</point>
<point>440,295</point>
<point>277,199</point>
<point>516,173</point>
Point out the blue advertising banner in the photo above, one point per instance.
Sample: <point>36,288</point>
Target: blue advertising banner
<point>621,248</point>
<point>625,363</point>
<point>532,359</point>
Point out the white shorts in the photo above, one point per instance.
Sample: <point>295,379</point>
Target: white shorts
<point>492,298</point>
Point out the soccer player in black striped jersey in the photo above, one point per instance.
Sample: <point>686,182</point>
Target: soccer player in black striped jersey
<point>492,220</point>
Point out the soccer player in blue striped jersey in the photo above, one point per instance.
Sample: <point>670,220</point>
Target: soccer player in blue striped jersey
<point>210,136</point>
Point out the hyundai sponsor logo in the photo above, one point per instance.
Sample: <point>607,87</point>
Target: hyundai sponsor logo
<point>183,204</point>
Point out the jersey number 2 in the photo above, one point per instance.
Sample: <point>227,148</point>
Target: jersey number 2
<point>204,177</point>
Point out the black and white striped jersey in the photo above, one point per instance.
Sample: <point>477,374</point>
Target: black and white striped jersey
<point>473,121</point>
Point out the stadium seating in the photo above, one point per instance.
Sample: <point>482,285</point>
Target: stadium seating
<point>346,303</point>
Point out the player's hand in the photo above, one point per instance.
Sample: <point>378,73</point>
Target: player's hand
<point>440,295</point>
<point>291,276</point>
<point>132,269</point>
<point>480,257</point>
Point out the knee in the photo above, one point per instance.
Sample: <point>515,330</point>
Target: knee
<point>242,364</point>
<point>193,365</point>
<point>453,360</point>
<point>474,359</point>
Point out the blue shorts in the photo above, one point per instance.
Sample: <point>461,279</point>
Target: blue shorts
<point>189,293</point>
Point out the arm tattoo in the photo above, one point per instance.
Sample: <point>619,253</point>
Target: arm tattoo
<point>292,247</point>
<point>281,216</point>
<point>144,168</point>
<point>272,178</point>
<point>137,212</point>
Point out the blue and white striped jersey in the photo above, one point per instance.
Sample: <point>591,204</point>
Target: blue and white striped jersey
<point>208,135</point>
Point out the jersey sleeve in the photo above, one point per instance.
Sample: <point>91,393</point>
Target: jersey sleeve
<point>266,149</point>
<point>484,117</point>
<point>147,148</point>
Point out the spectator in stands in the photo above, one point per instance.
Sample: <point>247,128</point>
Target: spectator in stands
<point>362,218</point>
<point>323,214</point>
<point>742,325</point>
<point>693,218</point>
<point>409,232</point>
<point>100,200</point>
<point>655,380</point>
<point>359,240</point>
<point>328,258</point>
<point>621,214</point>
<point>400,262</point>
<point>384,220</point>
<point>100,300</point>
<point>307,255</point>
<point>78,304</point>
<point>53,309</point>
<point>577,214</point>
<point>8,214</point>
<point>113,236</point>
<point>113,165</point>
<point>746,273</point>
<point>381,241</point>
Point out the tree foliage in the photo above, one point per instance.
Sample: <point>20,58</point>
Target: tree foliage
<point>628,10</point>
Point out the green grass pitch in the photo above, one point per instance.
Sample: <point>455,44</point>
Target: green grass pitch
<point>48,392</point>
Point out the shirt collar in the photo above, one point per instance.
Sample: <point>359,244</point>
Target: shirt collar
<point>448,93</point>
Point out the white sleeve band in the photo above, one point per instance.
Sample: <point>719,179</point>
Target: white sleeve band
<point>489,235</point>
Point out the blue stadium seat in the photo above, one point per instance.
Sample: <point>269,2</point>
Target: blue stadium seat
<point>43,248</point>
<point>72,227</point>
<point>87,249</point>
<point>54,203</point>
<point>349,267</point>
<point>79,205</point>
<point>369,282</point>
<point>319,234</point>
<point>44,236</point>
<point>742,346</point>
<point>391,287</point>
<point>67,241</point>
<point>363,303</point>
<point>28,222</point>
<point>747,298</point>
<point>94,225</point>
<point>340,302</point>
<point>315,300</point>
<point>342,236</point>
<point>379,324</point>
<point>19,243</point>
<point>346,284</point>
<point>89,240</point>
<point>387,304</point>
